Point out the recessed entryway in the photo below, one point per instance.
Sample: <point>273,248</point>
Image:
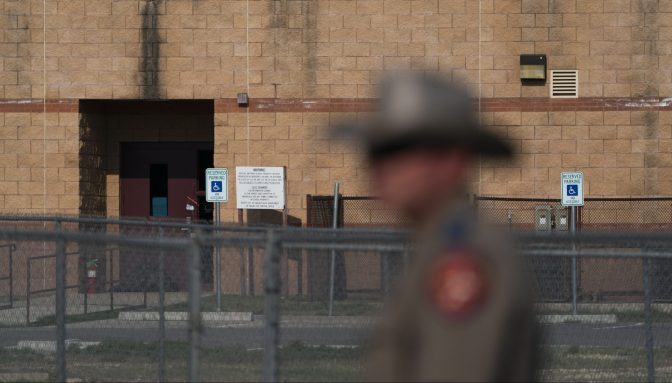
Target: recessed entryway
<point>147,159</point>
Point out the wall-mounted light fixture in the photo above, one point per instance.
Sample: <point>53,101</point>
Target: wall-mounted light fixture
<point>533,69</point>
<point>243,99</point>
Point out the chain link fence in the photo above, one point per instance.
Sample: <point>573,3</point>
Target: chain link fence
<point>519,214</point>
<point>598,214</point>
<point>122,300</point>
<point>353,211</point>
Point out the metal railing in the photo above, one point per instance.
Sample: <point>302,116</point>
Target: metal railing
<point>80,285</point>
<point>29,290</point>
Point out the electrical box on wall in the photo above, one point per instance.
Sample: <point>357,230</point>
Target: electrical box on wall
<point>561,214</point>
<point>533,69</point>
<point>242,99</point>
<point>542,218</point>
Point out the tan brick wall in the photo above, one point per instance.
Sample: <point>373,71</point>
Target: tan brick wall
<point>326,48</point>
<point>620,153</point>
<point>32,160</point>
<point>297,141</point>
<point>183,49</point>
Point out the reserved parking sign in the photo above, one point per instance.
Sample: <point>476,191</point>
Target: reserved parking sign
<point>216,184</point>
<point>572,188</point>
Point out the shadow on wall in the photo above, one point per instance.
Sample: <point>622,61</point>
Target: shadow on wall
<point>92,160</point>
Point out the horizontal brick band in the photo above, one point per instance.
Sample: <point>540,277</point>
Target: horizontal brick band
<point>522,104</point>
<point>37,106</point>
<point>261,105</point>
<point>531,104</point>
<point>298,105</point>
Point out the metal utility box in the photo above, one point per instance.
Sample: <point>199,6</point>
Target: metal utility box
<point>542,218</point>
<point>561,214</point>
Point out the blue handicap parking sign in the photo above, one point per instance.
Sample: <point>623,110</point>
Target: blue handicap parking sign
<point>216,186</point>
<point>572,190</point>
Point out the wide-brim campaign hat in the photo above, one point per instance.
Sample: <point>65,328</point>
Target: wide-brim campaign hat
<point>422,110</point>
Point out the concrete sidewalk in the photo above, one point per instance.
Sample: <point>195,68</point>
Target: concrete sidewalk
<point>44,306</point>
<point>222,316</point>
<point>130,304</point>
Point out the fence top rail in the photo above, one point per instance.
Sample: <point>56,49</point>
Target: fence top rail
<point>514,199</point>
<point>645,238</point>
<point>129,221</point>
<point>587,199</point>
<point>206,228</point>
<point>627,199</point>
<point>648,240</point>
<point>620,239</point>
<point>566,253</point>
<point>165,243</point>
<point>373,247</point>
<point>343,198</point>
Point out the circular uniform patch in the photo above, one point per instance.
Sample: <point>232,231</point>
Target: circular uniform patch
<point>458,284</point>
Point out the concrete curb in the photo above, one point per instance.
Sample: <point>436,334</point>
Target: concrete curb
<point>323,320</point>
<point>591,318</point>
<point>601,308</point>
<point>50,345</point>
<point>24,377</point>
<point>213,316</point>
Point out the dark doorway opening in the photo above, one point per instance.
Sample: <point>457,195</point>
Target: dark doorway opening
<point>146,158</point>
<point>163,179</point>
<point>158,190</point>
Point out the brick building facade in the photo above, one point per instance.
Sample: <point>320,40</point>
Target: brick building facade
<point>305,63</point>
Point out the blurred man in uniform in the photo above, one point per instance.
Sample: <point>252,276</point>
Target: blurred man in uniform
<point>462,310</point>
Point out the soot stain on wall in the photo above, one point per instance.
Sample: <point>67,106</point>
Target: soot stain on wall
<point>280,29</point>
<point>150,41</point>
<point>18,60</point>
<point>647,34</point>
<point>309,10</point>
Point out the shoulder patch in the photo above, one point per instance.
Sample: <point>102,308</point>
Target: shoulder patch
<point>458,284</point>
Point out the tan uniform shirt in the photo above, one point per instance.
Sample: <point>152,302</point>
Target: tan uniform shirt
<point>493,341</point>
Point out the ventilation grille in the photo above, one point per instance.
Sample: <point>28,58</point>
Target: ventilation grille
<point>564,83</point>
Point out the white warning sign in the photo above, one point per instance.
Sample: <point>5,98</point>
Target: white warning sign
<point>260,187</point>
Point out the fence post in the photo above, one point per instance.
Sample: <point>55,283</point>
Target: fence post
<point>384,272</point>
<point>194,310</point>
<point>648,319</point>
<point>243,276</point>
<point>11,276</point>
<point>86,295</point>
<point>144,294</point>
<point>572,223</point>
<point>111,281</point>
<point>28,290</point>
<point>162,316</point>
<point>250,271</point>
<point>218,260</point>
<point>332,272</point>
<point>60,306</point>
<point>271,309</point>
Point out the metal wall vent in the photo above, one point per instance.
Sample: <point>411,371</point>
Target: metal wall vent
<point>564,83</point>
